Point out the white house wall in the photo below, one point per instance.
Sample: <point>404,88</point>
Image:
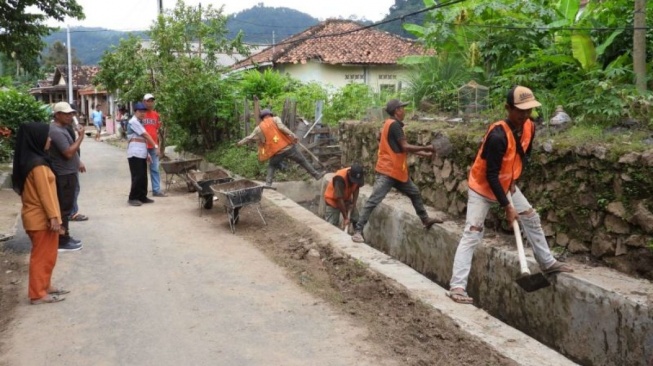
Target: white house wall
<point>338,76</point>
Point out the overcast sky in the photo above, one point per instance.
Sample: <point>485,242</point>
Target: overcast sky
<point>139,14</point>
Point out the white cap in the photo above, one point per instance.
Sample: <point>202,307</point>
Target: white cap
<point>148,96</point>
<point>62,107</point>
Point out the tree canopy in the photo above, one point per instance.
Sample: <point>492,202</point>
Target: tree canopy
<point>21,29</point>
<point>57,54</point>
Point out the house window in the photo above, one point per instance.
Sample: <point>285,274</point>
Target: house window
<point>387,77</point>
<point>354,77</point>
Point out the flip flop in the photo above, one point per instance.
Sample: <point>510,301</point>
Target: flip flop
<point>48,299</point>
<point>78,217</point>
<point>58,291</point>
<point>460,297</point>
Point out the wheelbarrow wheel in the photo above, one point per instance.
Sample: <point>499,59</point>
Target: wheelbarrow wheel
<point>207,201</point>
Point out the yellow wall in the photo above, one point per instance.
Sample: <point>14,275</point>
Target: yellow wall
<point>338,76</point>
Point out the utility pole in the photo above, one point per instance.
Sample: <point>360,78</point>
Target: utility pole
<point>639,45</point>
<point>273,47</point>
<point>160,7</point>
<point>70,66</point>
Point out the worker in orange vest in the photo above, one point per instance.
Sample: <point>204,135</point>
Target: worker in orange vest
<point>341,195</point>
<point>392,169</point>
<point>277,143</point>
<point>499,163</point>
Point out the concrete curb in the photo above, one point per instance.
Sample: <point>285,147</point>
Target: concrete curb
<point>504,339</point>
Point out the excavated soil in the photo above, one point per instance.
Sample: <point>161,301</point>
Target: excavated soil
<point>412,332</point>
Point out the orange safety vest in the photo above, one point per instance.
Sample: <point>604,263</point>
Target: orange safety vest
<point>330,193</point>
<point>390,163</point>
<point>275,140</point>
<point>511,166</point>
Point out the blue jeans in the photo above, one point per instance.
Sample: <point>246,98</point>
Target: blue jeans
<point>382,186</point>
<point>154,171</point>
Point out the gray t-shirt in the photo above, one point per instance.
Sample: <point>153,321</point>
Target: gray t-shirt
<point>61,141</point>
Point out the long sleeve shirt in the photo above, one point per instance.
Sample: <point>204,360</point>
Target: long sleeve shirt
<point>40,203</point>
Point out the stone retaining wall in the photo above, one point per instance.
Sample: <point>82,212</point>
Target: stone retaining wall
<point>594,202</point>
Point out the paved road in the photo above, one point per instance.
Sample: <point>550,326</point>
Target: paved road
<point>158,285</point>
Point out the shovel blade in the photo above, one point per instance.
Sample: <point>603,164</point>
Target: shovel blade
<point>534,282</point>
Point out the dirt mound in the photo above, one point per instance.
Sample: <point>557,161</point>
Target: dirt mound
<point>411,332</point>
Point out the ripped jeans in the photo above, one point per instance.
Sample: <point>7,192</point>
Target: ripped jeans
<point>477,209</point>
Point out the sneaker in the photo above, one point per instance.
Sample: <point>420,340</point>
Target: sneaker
<point>147,200</point>
<point>135,202</point>
<point>159,194</point>
<point>358,237</point>
<point>70,246</point>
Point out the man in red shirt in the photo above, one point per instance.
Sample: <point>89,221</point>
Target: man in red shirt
<point>152,123</point>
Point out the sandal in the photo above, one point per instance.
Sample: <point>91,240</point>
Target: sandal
<point>78,217</point>
<point>48,299</point>
<point>57,291</point>
<point>460,296</point>
<point>558,267</point>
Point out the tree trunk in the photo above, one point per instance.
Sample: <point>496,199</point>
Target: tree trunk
<point>639,45</point>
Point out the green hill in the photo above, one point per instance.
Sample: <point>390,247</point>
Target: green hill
<point>259,24</point>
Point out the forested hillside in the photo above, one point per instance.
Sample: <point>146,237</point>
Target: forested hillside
<point>259,24</point>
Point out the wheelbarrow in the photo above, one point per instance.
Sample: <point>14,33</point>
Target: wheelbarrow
<point>180,168</point>
<point>238,194</point>
<point>202,181</point>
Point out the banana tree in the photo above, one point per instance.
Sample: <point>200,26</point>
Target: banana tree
<point>583,48</point>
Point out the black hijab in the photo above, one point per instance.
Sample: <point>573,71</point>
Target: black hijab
<point>30,152</point>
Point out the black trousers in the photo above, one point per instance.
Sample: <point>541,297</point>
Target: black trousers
<point>138,170</point>
<point>66,186</point>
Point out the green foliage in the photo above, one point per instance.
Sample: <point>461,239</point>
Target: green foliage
<point>23,24</point>
<point>350,102</point>
<point>400,9</point>
<point>436,80</point>
<point>17,108</point>
<point>57,54</point>
<point>266,85</point>
<point>239,160</point>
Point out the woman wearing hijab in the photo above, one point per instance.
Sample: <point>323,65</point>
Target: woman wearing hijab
<point>35,182</point>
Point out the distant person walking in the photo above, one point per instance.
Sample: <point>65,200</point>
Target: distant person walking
<point>74,213</point>
<point>66,165</point>
<point>33,179</point>
<point>392,169</point>
<point>277,143</point>
<point>137,156</point>
<point>152,124</point>
<point>98,121</point>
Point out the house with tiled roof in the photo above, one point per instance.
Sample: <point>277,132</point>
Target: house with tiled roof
<point>337,52</point>
<point>85,95</point>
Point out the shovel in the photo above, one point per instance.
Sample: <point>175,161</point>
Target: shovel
<point>527,281</point>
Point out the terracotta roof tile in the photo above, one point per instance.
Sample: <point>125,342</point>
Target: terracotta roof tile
<point>337,42</point>
<point>82,75</point>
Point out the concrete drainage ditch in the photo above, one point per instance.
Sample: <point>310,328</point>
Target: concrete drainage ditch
<point>594,316</point>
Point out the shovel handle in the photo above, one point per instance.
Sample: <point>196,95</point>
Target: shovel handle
<point>523,266</point>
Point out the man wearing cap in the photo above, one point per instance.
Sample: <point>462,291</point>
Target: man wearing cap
<point>277,143</point>
<point>137,155</point>
<point>65,164</point>
<point>392,169</point>
<point>152,123</point>
<point>498,164</point>
<point>341,195</point>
